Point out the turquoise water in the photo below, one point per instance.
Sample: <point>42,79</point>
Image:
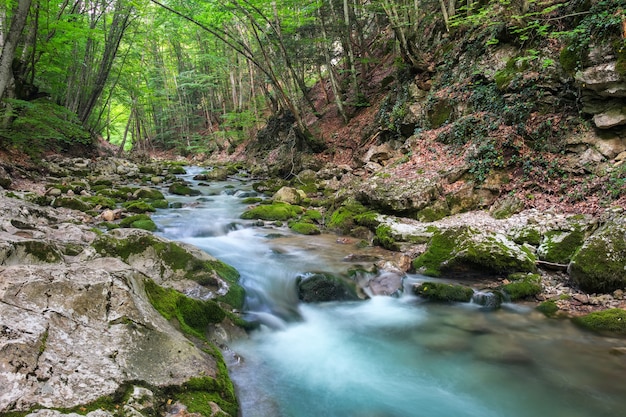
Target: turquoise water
<point>388,356</point>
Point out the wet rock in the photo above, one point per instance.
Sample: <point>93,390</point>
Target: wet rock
<point>318,287</point>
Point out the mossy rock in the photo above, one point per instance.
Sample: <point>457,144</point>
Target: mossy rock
<point>138,207</point>
<point>548,308</point>
<point>345,217</point>
<point>179,188</point>
<point>177,262</point>
<point>315,287</point>
<point>102,182</point>
<point>612,321</point>
<point>436,291</point>
<point>160,204</point>
<point>435,212</point>
<point>560,246</point>
<point>101,201</point>
<point>251,200</point>
<point>176,170</point>
<point>145,224</point>
<point>464,252</point>
<point>276,211</point>
<point>118,194</point>
<point>522,286</point>
<point>36,251</point>
<point>384,238</point>
<point>270,186</point>
<point>128,221</point>
<point>313,215</point>
<point>146,193</point>
<point>527,235</point>
<point>74,203</point>
<point>304,228</point>
<point>599,265</point>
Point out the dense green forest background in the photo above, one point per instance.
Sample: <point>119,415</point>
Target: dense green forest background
<point>199,76</point>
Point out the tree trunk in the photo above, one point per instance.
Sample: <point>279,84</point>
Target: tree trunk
<point>18,22</point>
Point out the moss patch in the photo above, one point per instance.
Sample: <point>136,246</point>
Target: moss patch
<point>72,203</point>
<point>304,228</point>
<point>385,238</point>
<point>276,211</point>
<point>548,308</point>
<point>522,286</point>
<point>439,250</point>
<point>138,207</point>
<point>179,188</point>
<point>607,321</point>
<point>444,292</point>
<point>560,246</point>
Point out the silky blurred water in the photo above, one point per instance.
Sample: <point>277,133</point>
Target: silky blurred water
<point>386,356</point>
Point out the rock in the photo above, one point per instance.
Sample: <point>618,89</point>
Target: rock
<point>610,118</point>
<point>80,331</point>
<point>54,192</point>
<point>464,251</point>
<point>380,154</point>
<point>559,246</point>
<point>287,195</point>
<point>397,195</point>
<point>603,79</point>
<point>444,292</point>
<point>315,287</point>
<point>600,264</point>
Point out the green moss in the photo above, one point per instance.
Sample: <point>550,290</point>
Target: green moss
<point>304,228</point>
<point>384,238</point>
<point>313,215</point>
<point>160,204</point>
<point>528,235</point>
<point>559,247</point>
<point>138,207</point>
<point>523,286</point>
<point>120,194</point>
<point>146,224</point>
<point>42,251</point>
<point>607,321</point>
<point>439,113</point>
<point>177,258</point>
<point>571,58</point>
<point>128,221</point>
<point>548,308</point>
<point>194,316</point>
<point>433,213</point>
<point>179,188</point>
<point>345,217</point>
<point>72,203</point>
<point>102,182</point>
<point>275,211</point>
<point>251,200</point>
<point>444,292</point>
<point>176,170</point>
<point>98,200</point>
<point>148,194</point>
<point>439,250</point>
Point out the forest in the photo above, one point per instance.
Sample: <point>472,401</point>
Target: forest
<point>203,76</point>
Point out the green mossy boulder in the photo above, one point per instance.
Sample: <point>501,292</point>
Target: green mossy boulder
<point>74,203</point>
<point>384,238</point>
<point>436,291</point>
<point>304,228</point>
<point>145,193</point>
<point>350,215</point>
<point>522,286</point>
<point>160,204</point>
<point>559,246</point>
<point>138,207</point>
<point>180,188</point>
<point>100,201</point>
<point>465,252</point>
<point>139,221</point>
<point>315,287</point>
<point>611,321</point>
<point>276,211</point>
<point>600,264</point>
<point>548,308</point>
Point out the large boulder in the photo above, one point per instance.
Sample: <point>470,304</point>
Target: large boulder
<point>600,264</point>
<point>72,334</point>
<point>315,287</point>
<point>398,195</point>
<point>463,251</point>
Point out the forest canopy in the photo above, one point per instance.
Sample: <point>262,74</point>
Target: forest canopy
<point>203,75</point>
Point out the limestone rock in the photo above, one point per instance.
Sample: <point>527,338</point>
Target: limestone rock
<point>287,195</point>
<point>5,178</point>
<point>603,79</point>
<point>73,333</point>
<point>610,118</point>
<point>397,195</point>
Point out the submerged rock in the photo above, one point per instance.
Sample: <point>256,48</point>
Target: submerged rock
<point>315,287</point>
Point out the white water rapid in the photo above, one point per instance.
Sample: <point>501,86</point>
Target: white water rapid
<point>387,357</point>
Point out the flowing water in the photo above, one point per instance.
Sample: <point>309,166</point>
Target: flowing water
<point>387,356</point>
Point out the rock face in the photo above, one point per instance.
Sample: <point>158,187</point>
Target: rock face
<point>77,324</point>
<point>605,89</point>
<point>72,334</point>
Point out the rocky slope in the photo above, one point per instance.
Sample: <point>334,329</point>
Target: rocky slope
<point>89,320</point>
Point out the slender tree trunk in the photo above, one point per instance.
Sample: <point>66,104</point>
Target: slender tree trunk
<point>18,22</point>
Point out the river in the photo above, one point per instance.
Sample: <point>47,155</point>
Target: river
<point>386,356</point>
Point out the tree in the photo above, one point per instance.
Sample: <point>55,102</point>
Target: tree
<point>18,20</point>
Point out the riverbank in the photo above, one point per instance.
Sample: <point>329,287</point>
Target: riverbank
<point>77,248</point>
